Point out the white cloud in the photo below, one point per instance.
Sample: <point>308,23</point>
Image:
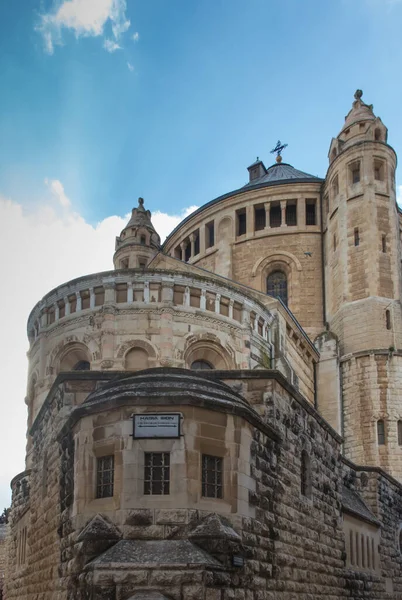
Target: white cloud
<point>42,248</point>
<point>84,18</point>
<point>399,194</point>
<point>111,46</point>
<point>130,66</point>
<point>135,36</point>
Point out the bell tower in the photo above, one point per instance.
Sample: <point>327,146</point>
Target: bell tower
<point>362,262</point>
<point>138,242</point>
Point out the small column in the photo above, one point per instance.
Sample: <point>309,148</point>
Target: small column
<point>43,318</point>
<point>218,304</point>
<point>186,297</point>
<point>267,219</point>
<point>66,306</point>
<point>301,212</point>
<point>231,303</point>
<point>256,319</point>
<point>203,300</point>
<point>245,315</point>
<point>91,298</point>
<point>283,213</point>
<point>264,330</point>
<point>202,239</point>
<point>183,251</point>
<point>79,301</point>
<point>56,312</point>
<point>146,292</point>
<point>192,242</point>
<point>250,228</point>
<point>130,295</point>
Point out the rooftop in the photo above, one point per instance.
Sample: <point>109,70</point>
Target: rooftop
<point>281,172</point>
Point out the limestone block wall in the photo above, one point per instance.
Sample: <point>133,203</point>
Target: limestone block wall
<point>3,531</point>
<point>291,543</point>
<point>382,495</point>
<point>372,388</point>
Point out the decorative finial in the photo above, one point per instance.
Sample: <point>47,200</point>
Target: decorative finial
<point>278,149</point>
<point>358,94</point>
<point>257,159</point>
<point>140,201</point>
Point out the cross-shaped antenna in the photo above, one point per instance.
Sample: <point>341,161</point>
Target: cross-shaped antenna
<point>278,148</point>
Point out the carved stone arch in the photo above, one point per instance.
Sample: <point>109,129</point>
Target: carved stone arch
<point>280,260</point>
<point>72,354</point>
<point>277,255</point>
<point>53,361</point>
<point>124,348</point>
<point>208,347</point>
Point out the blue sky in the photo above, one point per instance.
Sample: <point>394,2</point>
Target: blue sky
<point>215,83</point>
<point>103,101</point>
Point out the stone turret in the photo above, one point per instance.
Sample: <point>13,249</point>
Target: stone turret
<point>362,275</point>
<point>138,242</point>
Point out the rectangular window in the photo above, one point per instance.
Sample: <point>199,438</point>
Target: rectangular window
<point>384,244</point>
<point>381,433</point>
<point>399,433</point>
<point>311,212</point>
<point>212,476</point>
<point>291,213</point>
<point>356,236</point>
<point>335,186</point>
<point>187,250</point>
<point>241,220</point>
<point>210,234</point>
<point>196,242</point>
<point>354,172</point>
<point>259,218</point>
<point>378,170</point>
<point>275,214</point>
<point>104,476</point>
<point>157,473</point>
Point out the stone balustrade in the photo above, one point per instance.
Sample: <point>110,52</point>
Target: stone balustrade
<point>93,292</point>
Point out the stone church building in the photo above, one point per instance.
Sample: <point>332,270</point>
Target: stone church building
<point>220,417</point>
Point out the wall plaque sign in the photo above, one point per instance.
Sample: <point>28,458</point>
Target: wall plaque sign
<point>161,425</point>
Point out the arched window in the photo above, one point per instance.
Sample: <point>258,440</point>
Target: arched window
<point>82,365</point>
<point>305,474</point>
<point>277,286</point>
<point>380,432</point>
<point>75,359</point>
<point>201,365</point>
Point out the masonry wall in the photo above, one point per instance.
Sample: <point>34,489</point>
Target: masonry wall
<point>372,388</point>
<point>3,530</point>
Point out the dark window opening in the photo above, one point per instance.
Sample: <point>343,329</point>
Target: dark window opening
<point>388,319</point>
<point>210,234</point>
<point>381,433</point>
<point>157,473</point>
<point>105,477</point>
<point>259,218</point>
<point>82,365</point>
<point>177,252</point>
<point>124,263</point>
<point>305,474</point>
<point>378,170</point>
<point>277,286</point>
<point>197,243</point>
<point>334,242</point>
<point>355,172</point>
<point>310,212</point>
<point>291,213</point>
<point>275,215</point>
<point>142,264</point>
<point>399,433</point>
<point>202,365</point>
<point>143,240</point>
<point>377,135</point>
<point>384,243</point>
<point>212,476</point>
<point>187,252</point>
<point>356,236</point>
<point>241,222</point>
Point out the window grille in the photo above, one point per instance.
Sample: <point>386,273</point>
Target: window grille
<point>310,212</point>
<point>105,477</point>
<point>291,214</point>
<point>275,215</point>
<point>259,218</point>
<point>212,476</point>
<point>277,286</point>
<point>381,433</point>
<point>202,365</point>
<point>157,473</point>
